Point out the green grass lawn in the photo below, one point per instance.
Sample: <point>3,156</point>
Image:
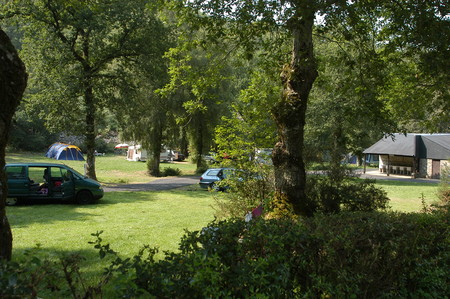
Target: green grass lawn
<point>407,196</point>
<point>129,220</point>
<point>133,219</point>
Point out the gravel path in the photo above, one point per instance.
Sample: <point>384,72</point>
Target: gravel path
<point>176,182</point>
<point>156,185</point>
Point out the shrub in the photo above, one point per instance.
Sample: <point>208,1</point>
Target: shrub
<point>247,189</point>
<point>348,255</point>
<point>102,146</point>
<point>169,171</point>
<point>202,168</point>
<point>444,189</point>
<point>347,194</point>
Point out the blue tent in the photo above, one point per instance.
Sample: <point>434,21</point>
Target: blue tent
<point>62,151</point>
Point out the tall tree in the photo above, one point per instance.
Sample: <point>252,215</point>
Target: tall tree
<point>418,51</point>
<point>13,81</point>
<point>198,83</point>
<point>75,49</point>
<point>247,23</point>
<point>347,110</point>
<point>143,113</point>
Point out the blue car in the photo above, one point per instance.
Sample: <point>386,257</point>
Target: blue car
<point>212,176</point>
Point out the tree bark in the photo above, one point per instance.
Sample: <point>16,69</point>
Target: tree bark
<point>13,81</point>
<point>199,143</point>
<point>289,114</point>
<point>155,149</point>
<point>90,132</point>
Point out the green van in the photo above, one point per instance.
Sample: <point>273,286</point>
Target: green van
<point>49,181</point>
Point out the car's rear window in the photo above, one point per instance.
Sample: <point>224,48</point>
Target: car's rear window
<point>213,172</point>
<point>228,172</point>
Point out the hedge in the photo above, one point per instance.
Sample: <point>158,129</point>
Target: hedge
<point>347,255</point>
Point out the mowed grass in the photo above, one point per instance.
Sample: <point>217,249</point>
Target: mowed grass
<point>110,169</point>
<point>129,220</point>
<point>407,196</point>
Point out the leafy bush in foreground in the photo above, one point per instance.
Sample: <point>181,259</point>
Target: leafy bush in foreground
<point>345,194</point>
<point>360,255</point>
<point>347,255</point>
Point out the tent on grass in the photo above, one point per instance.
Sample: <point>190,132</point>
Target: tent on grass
<point>63,151</point>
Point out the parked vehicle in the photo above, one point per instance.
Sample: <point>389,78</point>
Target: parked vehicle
<point>178,156</point>
<point>210,158</point>
<point>37,181</point>
<point>137,153</point>
<point>209,178</point>
<point>166,155</point>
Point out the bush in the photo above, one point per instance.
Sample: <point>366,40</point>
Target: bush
<point>169,171</point>
<point>345,194</point>
<point>246,190</point>
<point>28,133</point>
<point>444,189</point>
<point>348,255</point>
<point>102,146</point>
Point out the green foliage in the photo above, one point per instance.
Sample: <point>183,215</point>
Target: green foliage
<point>246,189</point>
<point>418,51</point>
<point>444,189</point>
<point>170,171</point>
<point>350,255</point>
<point>250,125</point>
<point>347,111</point>
<point>80,55</point>
<point>101,146</point>
<point>347,194</point>
<point>35,277</point>
<point>28,133</point>
<point>26,278</point>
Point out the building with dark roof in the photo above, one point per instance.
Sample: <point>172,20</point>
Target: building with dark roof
<point>418,155</point>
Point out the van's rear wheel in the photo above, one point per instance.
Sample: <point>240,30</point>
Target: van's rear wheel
<point>84,197</point>
<point>12,201</point>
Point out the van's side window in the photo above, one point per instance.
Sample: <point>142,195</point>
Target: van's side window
<point>66,174</point>
<point>16,172</point>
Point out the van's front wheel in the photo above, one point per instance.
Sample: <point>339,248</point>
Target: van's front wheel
<point>84,197</point>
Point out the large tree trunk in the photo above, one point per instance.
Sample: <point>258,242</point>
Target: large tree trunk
<point>90,133</point>
<point>199,143</point>
<point>13,81</point>
<point>289,113</point>
<point>155,149</point>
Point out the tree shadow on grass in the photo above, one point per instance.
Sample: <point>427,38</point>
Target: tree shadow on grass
<point>53,211</point>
